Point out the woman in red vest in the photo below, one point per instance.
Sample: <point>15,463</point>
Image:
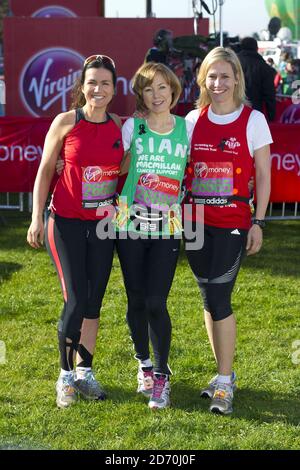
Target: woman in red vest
<point>90,143</point>
<point>228,139</point>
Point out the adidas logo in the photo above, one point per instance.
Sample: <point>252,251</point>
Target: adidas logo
<point>235,232</point>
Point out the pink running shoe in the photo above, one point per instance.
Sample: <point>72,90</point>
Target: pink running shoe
<point>160,397</point>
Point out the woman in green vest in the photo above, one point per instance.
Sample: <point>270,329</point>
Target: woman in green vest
<point>149,221</point>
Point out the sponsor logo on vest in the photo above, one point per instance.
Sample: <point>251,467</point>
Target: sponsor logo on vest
<point>53,11</point>
<point>201,170</point>
<point>92,174</point>
<point>232,143</point>
<point>47,80</point>
<point>150,180</point>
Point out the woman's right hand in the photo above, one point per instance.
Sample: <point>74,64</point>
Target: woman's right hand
<point>60,164</point>
<point>35,234</point>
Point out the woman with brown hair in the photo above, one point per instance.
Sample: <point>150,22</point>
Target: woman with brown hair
<point>150,231</point>
<point>90,143</point>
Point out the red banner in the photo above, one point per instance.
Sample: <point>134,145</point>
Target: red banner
<point>21,147</point>
<point>56,8</point>
<point>22,139</point>
<point>285,154</point>
<point>40,74</point>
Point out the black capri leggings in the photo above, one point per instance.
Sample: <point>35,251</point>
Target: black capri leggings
<point>216,267</point>
<point>148,268</point>
<point>83,264</point>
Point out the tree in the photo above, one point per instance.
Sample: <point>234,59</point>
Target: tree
<point>4,9</point>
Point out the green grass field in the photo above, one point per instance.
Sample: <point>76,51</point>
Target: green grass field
<point>267,407</point>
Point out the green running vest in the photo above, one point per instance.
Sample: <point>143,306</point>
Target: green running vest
<point>150,199</point>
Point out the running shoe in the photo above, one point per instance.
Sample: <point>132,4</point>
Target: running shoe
<point>209,391</point>
<point>160,397</point>
<point>66,394</point>
<point>89,387</point>
<point>222,399</point>
<point>145,380</point>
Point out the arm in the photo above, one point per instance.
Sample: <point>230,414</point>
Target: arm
<point>263,189</point>
<point>125,163</point>
<point>52,147</point>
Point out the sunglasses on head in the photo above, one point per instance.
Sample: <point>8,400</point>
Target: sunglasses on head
<point>104,59</point>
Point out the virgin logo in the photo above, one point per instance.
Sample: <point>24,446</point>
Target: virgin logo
<point>201,170</point>
<point>92,174</point>
<point>47,80</point>
<point>150,180</point>
<point>53,11</point>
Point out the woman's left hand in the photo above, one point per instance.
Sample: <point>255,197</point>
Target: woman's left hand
<point>254,240</point>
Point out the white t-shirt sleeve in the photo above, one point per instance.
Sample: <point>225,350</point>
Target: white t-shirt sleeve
<point>127,133</point>
<point>258,132</point>
<point>191,119</point>
<point>189,129</point>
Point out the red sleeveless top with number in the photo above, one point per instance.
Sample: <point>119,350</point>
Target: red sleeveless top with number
<point>92,153</point>
<point>221,166</point>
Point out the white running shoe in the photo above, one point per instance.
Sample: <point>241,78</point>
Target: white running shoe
<point>222,399</point>
<point>66,394</point>
<point>89,387</point>
<point>208,392</point>
<point>160,397</point>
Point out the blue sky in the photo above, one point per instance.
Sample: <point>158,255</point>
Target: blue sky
<point>241,17</point>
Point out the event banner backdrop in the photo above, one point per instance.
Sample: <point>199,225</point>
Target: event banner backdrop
<point>57,8</point>
<point>21,144</point>
<point>40,75</point>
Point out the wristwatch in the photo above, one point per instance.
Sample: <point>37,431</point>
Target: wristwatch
<point>260,222</point>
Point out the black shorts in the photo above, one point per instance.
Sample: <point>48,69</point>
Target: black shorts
<point>216,266</point>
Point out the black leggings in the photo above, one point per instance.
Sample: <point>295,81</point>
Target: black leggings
<point>83,264</point>
<point>216,267</point>
<point>148,268</point>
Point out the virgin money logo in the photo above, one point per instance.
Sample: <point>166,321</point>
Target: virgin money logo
<point>53,11</point>
<point>291,115</point>
<point>151,180</point>
<point>201,170</point>
<point>92,174</point>
<point>47,80</point>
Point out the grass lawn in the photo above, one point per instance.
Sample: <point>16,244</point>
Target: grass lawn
<point>266,407</point>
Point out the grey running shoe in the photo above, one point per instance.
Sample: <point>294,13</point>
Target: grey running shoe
<point>160,397</point>
<point>222,399</point>
<point>66,394</point>
<point>209,391</point>
<point>89,387</point>
<point>145,380</point>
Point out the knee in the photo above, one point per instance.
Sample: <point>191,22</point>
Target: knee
<point>136,302</point>
<point>219,308</point>
<point>68,332</point>
<point>157,306</point>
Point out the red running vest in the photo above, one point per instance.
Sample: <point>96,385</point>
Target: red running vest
<point>221,165</point>
<point>92,153</point>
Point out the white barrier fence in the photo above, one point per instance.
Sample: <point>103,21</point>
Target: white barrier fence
<point>23,203</point>
<point>16,201</point>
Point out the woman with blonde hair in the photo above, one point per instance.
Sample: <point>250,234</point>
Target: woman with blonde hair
<point>228,139</point>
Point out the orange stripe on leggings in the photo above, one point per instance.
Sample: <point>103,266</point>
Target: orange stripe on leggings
<point>56,257</point>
